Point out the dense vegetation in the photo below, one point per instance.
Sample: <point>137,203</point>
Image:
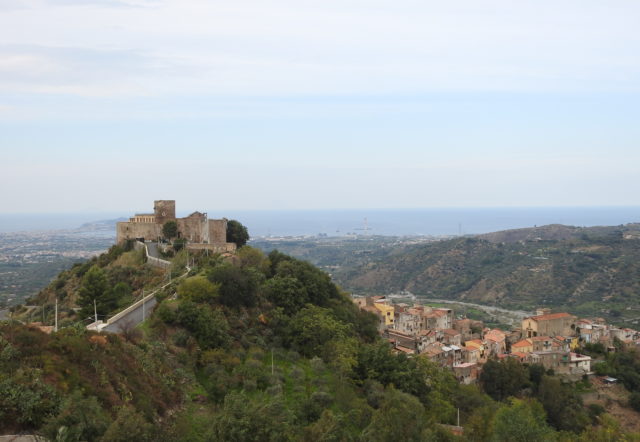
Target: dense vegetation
<point>257,347</point>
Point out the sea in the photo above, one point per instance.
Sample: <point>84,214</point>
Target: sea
<point>396,222</point>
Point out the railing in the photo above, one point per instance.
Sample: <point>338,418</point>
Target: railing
<point>98,326</point>
<point>152,259</point>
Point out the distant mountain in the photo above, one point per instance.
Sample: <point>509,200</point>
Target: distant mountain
<point>594,271</point>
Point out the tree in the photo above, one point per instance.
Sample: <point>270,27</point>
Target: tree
<point>286,292</point>
<point>252,418</point>
<point>521,421</point>
<point>563,406</point>
<point>237,233</point>
<point>238,286</point>
<point>198,289</point>
<point>130,425</point>
<point>313,328</point>
<point>209,326</point>
<point>95,287</point>
<point>401,417</point>
<point>503,379</point>
<point>170,229</point>
<point>80,418</point>
<point>122,293</point>
<point>634,400</point>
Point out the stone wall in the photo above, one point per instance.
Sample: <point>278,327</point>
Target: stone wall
<point>126,230</point>
<point>165,210</point>
<point>192,228</point>
<point>195,228</point>
<point>215,248</point>
<point>218,231</point>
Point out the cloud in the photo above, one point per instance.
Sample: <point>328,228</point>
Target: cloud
<point>195,47</point>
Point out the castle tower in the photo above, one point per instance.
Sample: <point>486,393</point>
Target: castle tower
<point>164,210</point>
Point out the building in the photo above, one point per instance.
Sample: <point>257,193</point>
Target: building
<point>523,346</point>
<point>495,341</point>
<point>466,372</point>
<point>387,312</point>
<point>552,324</point>
<point>452,337</point>
<point>197,229</point>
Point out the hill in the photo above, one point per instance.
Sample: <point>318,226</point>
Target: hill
<point>259,347</point>
<point>592,271</point>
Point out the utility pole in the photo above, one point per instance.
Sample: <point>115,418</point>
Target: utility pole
<point>95,310</point>
<point>55,327</point>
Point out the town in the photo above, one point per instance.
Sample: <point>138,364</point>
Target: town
<point>464,345</point>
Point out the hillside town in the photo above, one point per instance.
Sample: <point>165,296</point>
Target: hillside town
<point>464,345</point>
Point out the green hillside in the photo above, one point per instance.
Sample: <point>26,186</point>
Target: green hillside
<point>593,271</point>
<point>255,347</point>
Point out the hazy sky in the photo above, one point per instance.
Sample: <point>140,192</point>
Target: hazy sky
<point>107,105</point>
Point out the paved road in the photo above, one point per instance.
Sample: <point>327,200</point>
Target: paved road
<point>152,247</point>
<point>133,318</point>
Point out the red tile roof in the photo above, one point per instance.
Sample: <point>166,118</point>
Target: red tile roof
<point>551,316</point>
<point>523,343</point>
<point>541,338</point>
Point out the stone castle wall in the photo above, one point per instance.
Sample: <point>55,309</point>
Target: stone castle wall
<point>190,228</point>
<point>197,229</point>
<point>127,230</point>
<point>217,231</point>
<point>164,210</point>
<point>215,248</point>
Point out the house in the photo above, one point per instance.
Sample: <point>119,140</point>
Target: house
<point>452,336</point>
<point>551,360</point>
<point>467,327</point>
<point>431,336</point>
<point>466,372</point>
<point>437,318</point>
<point>478,345</point>
<point>551,324</point>
<point>495,341</point>
<point>579,364</point>
<point>386,311</point>
<point>542,343</point>
<point>522,346</point>
<point>434,353</point>
<point>471,354</point>
<point>452,355</point>
<point>522,357</point>
<point>409,321</point>
<point>399,339</point>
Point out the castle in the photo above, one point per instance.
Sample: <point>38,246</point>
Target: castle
<point>200,232</point>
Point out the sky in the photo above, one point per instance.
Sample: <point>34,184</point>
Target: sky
<point>107,105</point>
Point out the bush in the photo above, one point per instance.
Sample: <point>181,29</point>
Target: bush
<point>634,400</point>
<point>238,286</point>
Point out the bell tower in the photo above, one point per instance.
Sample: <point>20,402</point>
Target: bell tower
<point>164,210</point>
